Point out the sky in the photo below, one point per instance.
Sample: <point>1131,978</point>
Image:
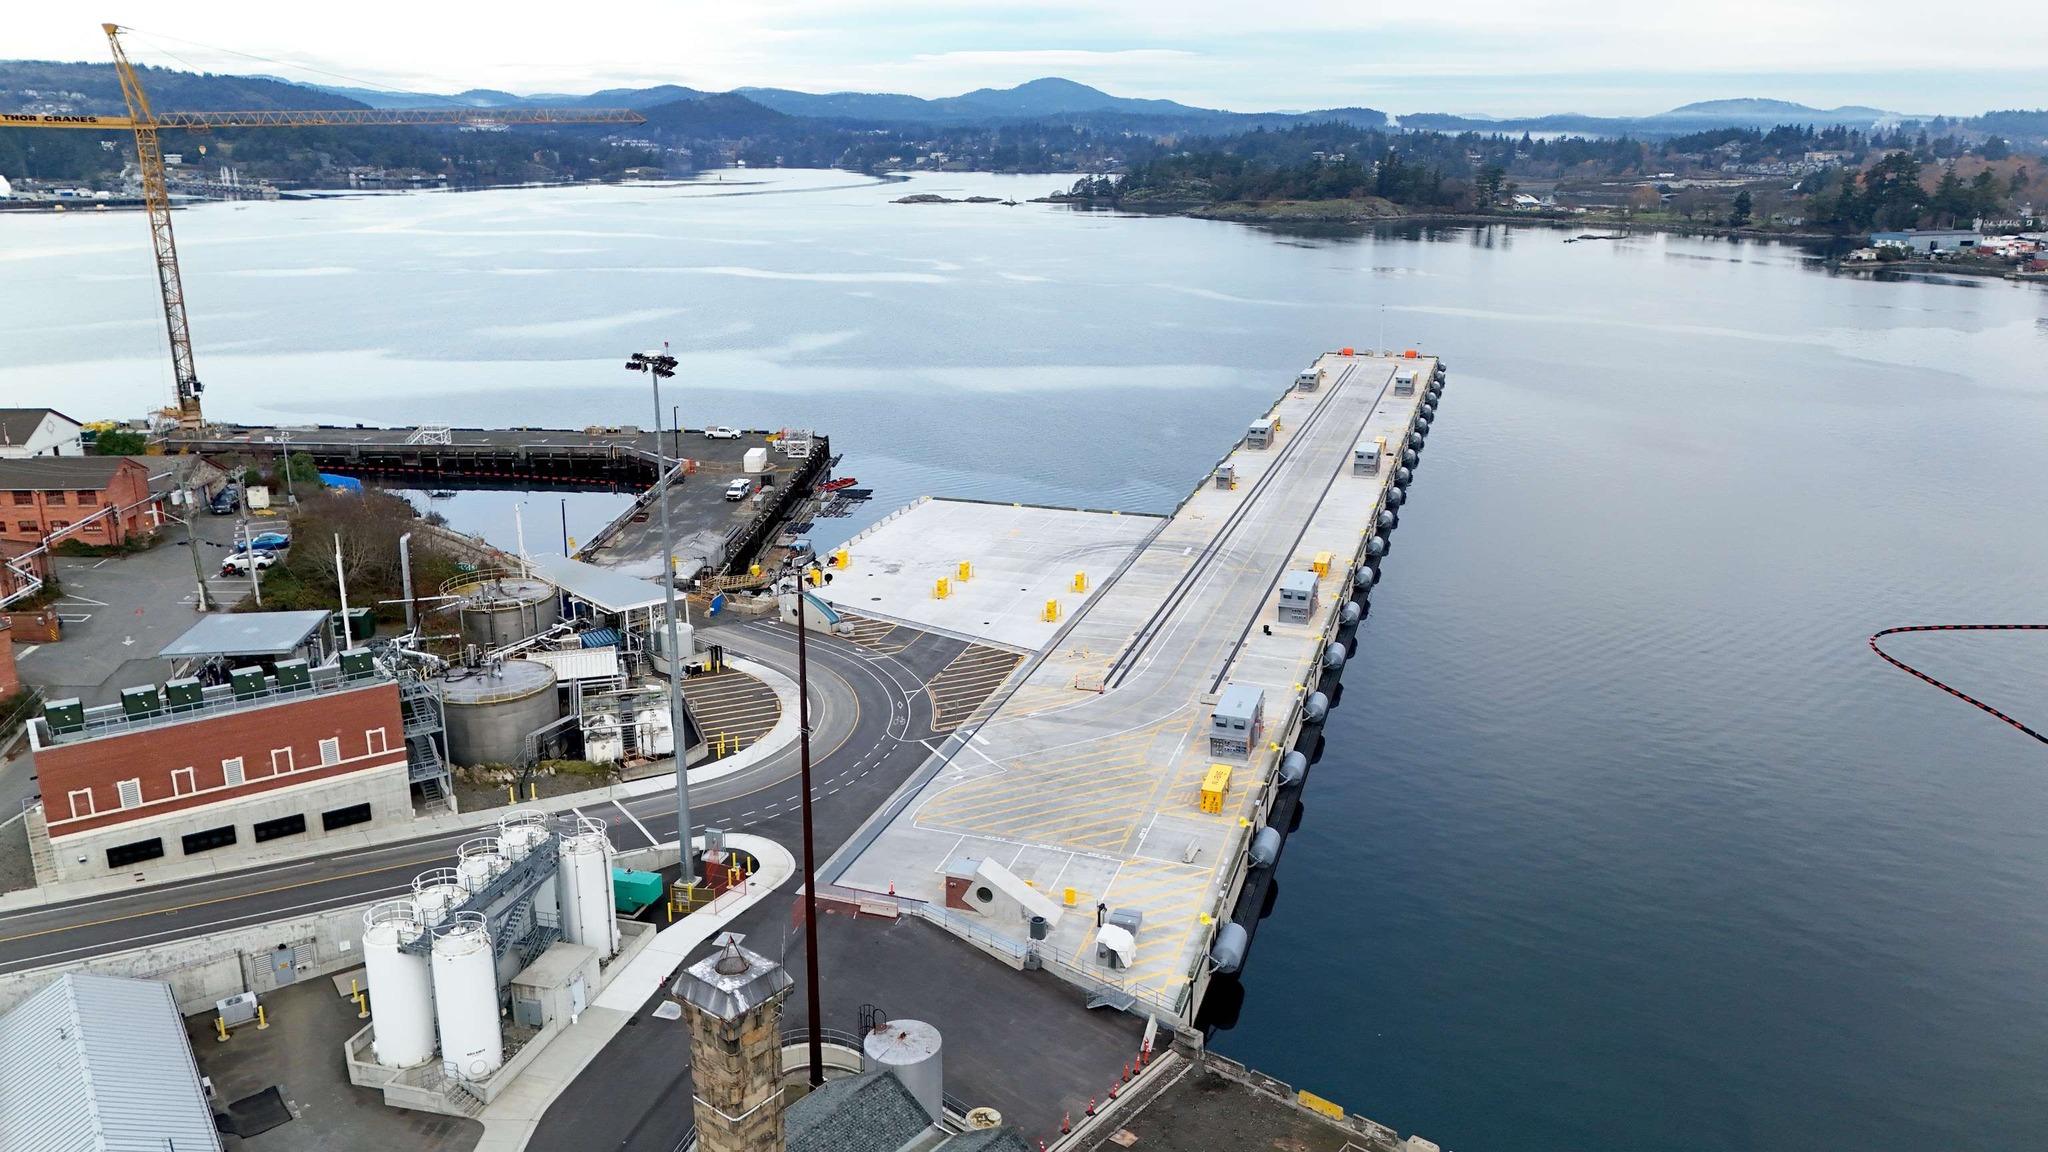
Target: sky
<point>1499,57</point>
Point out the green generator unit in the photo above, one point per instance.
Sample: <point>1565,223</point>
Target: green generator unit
<point>634,891</point>
<point>184,695</point>
<point>64,715</point>
<point>141,702</point>
<point>356,664</point>
<point>362,624</point>
<point>293,676</point>
<point>250,683</point>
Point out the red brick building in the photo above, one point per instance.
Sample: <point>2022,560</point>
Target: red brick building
<point>105,498</point>
<point>220,782</point>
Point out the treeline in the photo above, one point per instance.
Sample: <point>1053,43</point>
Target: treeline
<point>1891,195</point>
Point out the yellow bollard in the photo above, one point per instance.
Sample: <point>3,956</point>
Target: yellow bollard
<point>942,589</point>
<point>511,794</point>
<point>220,1024</point>
<point>532,791</point>
<point>1070,897</point>
<point>1080,581</point>
<point>262,1021</point>
<point>362,1006</point>
<point>966,571</point>
<point>1052,610</point>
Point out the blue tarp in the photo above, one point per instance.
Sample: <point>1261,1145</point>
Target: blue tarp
<point>345,483</point>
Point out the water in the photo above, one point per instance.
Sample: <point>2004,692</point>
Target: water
<point>1625,840</point>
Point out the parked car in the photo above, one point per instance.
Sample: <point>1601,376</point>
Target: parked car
<point>740,489</point>
<point>721,432</point>
<point>271,542</point>
<point>239,563</point>
<point>226,502</point>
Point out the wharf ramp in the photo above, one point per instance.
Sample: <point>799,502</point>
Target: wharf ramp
<point>1084,780</point>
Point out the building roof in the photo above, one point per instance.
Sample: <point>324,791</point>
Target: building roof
<point>18,424</point>
<point>603,588</point>
<point>872,1112</point>
<point>248,634</point>
<point>92,472</point>
<point>732,980</point>
<point>101,1062</point>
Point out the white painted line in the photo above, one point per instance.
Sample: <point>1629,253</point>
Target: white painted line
<point>636,823</point>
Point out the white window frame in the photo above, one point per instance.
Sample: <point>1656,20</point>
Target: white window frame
<point>130,791</point>
<point>89,809</point>
<point>274,754</point>
<point>330,751</point>
<point>232,772</point>
<point>184,782</point>
<point>376,741</point>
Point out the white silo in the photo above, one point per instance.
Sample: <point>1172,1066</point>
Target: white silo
<point>912,1049</point>
<point>655,731</point>
<point>438,892</point>
<point>520,832</point>
<point>466,997</point>
<point>401,985</point>
<point>602,741</point>
<point>583,886</point>
<point>478,862</point>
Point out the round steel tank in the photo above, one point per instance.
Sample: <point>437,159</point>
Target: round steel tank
<point>520,832</point>
<point>583,888</point>
<point>401,985</point>
<point>478,862</point>
<point>437,893</point>
<point>466,998</point>
<point>912,1049</point>
<point>505,610</point>
<point>491,710</point>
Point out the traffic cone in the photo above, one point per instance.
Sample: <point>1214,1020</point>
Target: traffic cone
<point>1091,1106</point>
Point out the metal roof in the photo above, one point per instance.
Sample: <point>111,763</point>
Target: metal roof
<point>752,981</point>
<point>603,588</point>
<point>600,663</point>
<point>248,634</point>
<point>101,1063</point>
<point>50,472</point>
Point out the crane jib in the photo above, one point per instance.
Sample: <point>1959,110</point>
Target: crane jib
<point>46,120</point>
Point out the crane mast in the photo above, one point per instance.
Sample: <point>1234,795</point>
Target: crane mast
<point>156,192</point>
<point>156,197</point>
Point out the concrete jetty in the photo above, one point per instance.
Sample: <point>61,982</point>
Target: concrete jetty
<point>1083,782</point>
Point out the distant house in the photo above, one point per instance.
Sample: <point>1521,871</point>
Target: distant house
<point>100,499</point>
<point>26,432</point>
<point>1931,240</point>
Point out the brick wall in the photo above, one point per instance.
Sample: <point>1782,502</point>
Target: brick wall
<point>26,516</point>
<point>185,765</point>
<point>10,682</point>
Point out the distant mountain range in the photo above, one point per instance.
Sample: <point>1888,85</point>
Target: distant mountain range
<point>1048,100</point>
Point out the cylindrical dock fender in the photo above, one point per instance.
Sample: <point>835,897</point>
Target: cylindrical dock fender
<point>1421,424</point>
<point>1377,546</point>
<point>1386,520</point>
<point>1415,440</point>
<point>1403,475</point>
<point>1334,656</point>
<point>1265,847</point>
<point>1314,708</point>
<point>1364,579</point>
<point>1409,457</point>
<point>1428,410</point>
<point>1350,614</point>
<point>1293,767</point>
<point>1396,496</point>
<point>1226,953</point>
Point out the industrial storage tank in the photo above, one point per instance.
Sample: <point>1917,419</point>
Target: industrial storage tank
<point>655,731</point>
<point>478,862</point>
<point>437,892</point>
<point>501,608</point>
<point>401,985</point>
<point>911,1049</point>
<point>491,710</point>
<point>583,888</point>
<point>520,832</point>
<point>602,741</point>
<point>466,998</point>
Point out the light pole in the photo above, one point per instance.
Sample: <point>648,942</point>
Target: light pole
<point>291,493</point>
<point>797,572</point>
<point>660,366</point>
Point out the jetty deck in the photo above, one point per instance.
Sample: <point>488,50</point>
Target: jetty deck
<point>1086,775</point>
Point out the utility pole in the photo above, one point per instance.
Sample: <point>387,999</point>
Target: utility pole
<point>803,729</point>
<point>192,544</point>
<point>249,550</point>
<point>659,366</point>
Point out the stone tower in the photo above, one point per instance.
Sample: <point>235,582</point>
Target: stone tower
<point>733,999</point>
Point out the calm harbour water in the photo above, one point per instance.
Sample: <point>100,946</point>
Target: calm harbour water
<point>1624,840</point>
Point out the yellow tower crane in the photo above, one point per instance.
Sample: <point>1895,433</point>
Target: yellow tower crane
<point>146,122</point>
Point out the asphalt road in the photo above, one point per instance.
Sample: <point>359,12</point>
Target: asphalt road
<point>871,724</point>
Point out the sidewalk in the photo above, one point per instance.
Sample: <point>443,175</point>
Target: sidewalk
<point>511,1119</point>
<point>779,738</point>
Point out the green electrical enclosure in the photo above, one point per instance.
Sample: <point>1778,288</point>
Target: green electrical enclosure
<point>64,715</point>
<point>141,701</point>
<point>184,695</point>
<point>633,891</point>
<point>249,683</point>
<point>293,675</point>
<point>356,664</point>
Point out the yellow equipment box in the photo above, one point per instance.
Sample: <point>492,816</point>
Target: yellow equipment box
<point>1322,564</point>
<point>1215,786</point>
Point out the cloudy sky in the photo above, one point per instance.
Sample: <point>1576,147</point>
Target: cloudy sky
<point>1472,56</point>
